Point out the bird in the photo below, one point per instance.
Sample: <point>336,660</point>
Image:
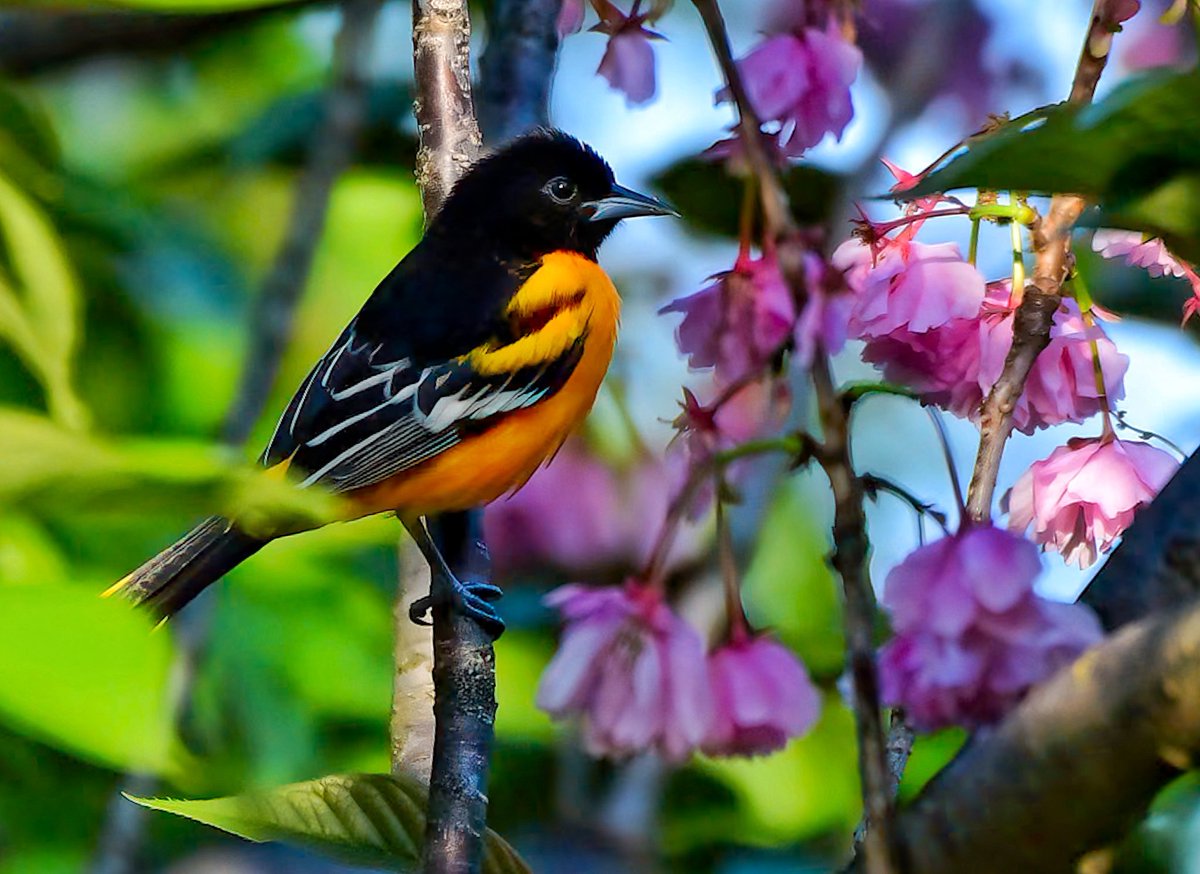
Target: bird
<point>463,372</point>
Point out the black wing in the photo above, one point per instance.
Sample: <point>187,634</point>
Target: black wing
<point>363,415</point>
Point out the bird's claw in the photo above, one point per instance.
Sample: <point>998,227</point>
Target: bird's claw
<point>473,600</point>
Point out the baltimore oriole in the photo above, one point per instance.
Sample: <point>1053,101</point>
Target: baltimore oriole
<point>463,373</point>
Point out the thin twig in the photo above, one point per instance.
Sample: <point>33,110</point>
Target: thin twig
<point>850,547</point>
<point>849,528</point>
<point>1035,315</point>
<point>124,829</point>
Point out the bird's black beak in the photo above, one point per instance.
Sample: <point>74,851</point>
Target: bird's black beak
<point>625,203</point>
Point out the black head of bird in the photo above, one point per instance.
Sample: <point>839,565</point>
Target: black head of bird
<point>544,192</point>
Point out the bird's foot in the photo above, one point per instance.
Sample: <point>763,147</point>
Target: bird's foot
<point>472,599</point>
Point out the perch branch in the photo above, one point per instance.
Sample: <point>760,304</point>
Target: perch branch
<point>849,527</point>
<point>1035,314</point>
<point>463,659</point>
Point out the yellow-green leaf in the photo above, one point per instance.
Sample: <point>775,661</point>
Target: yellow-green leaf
<point>369,819</point>
<point>47,466</point>
<point>87,675</point>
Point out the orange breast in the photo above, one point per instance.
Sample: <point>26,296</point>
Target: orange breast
<point>501,458</point>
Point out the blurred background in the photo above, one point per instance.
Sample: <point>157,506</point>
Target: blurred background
<point>153,177</point>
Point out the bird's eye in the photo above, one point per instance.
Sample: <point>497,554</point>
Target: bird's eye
<point>561,189</point>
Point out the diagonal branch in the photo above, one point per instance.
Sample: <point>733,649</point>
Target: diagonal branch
<point>332,150</point>
<point>1043,294</point>
<point>1030,796</point>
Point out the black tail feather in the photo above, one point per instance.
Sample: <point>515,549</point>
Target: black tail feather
<point>167,582</point>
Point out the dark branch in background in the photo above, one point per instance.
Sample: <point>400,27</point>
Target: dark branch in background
<point>463,659</point>
<point>124,829</point>
<point>331,153</point>
<point>34,41</point>
<point>849,527</point>
<point>1157,565</point>
<point>517,66</point>
<point>1043,294</point>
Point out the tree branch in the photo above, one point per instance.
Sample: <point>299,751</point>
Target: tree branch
<point>270,327</point>
<point>849,526</point>
<point>517,67</point>
<point>1157,565</point>
<point>1029,797</point>
<point>34,41</point>
<point>332,149</point>
<point>1042,295</point>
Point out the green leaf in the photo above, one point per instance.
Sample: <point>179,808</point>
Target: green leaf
<point>39,302</point>
<point>366,819</point>
<point>51,468</point>
<point>87,675</point>
<point>710,199</point>
<point>1136,153</point>
<point>1146,131</point>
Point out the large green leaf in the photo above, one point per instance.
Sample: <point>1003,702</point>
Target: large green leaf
<point>87,675</point>
<point>49,467</point>
<point>369,819</point>
<point>1145,131</point>
<point>1136,153</point>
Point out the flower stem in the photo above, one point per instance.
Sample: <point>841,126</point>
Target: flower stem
<point>973,246</point>
<point>939,425</point>
<point>1018,262</point>
<point>735,612</point>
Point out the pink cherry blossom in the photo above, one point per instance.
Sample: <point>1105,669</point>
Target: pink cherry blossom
<point>971,635</point>
<point>1150,254</point>
<point>739,323</point>
<point>628,62</point>
<point>631,669</point>
<point>762,698</point>
<point>913,287</point>
<point>802,81</point>
<point>570,18</point>
<point>1062,384</point>
<point>605,527</point>
<point>941,365</point>
<point>1084,495</point>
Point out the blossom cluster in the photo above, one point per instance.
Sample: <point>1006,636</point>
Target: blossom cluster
<point>637,675</point>
<point>970,634</point>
